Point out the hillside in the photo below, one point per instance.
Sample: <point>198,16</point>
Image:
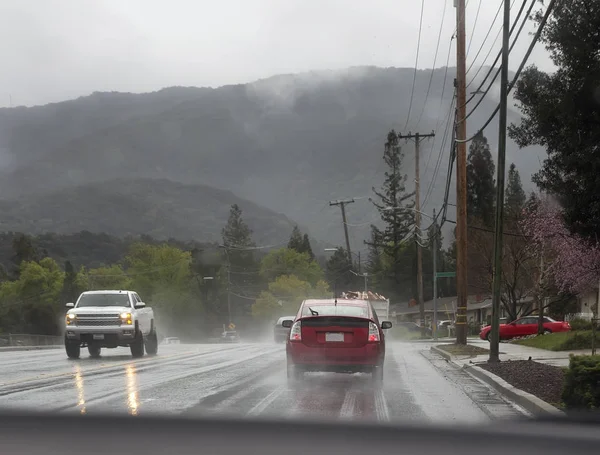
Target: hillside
<point>83,248</point>
<point>131,207</point>
<point>290,143</point>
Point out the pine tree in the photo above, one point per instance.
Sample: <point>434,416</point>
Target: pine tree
<point>295,242</point>
<point>390,204</point>
<point>480,181</point>
<point>338,272</point>
<point>515,196</point>
<point>237,240</point>
<point>306,248</point>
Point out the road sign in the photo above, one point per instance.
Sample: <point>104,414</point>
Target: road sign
<point>445,274</point>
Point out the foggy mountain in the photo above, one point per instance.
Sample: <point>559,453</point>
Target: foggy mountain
<point>290,143</point>
<point>132,207</point>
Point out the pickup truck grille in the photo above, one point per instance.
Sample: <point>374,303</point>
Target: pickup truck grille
<point>98,320</point>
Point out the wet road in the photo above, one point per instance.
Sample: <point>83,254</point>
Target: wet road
<point>246,380</point>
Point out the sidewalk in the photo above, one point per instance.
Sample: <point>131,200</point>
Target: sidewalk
<point>511,351</point>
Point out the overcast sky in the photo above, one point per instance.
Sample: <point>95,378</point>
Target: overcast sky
<point>54,50</point>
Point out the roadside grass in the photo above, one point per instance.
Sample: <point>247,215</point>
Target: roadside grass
<point>458,349</point>
<point>561,341</point>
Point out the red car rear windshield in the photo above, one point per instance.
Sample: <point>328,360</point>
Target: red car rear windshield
<point>336,310</point>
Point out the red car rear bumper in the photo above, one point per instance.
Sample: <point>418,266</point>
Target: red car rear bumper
<point>335,359</point>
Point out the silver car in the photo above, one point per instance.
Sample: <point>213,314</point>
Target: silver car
<point>280,333</point>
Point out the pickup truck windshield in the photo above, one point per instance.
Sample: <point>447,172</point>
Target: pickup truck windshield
<point>88,300</point>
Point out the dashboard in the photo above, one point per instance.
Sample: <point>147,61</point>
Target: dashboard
<point>54,434</point>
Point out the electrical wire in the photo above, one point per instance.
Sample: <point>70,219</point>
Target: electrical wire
<point>442,147</point>
<point>437,48</point>
<point>474,25</point>
<point>412,94</point>
<point>499,55</point>
<point>440,110</point>
<point>518,73</point>
<point>486,36</point>
<point>483,95</point>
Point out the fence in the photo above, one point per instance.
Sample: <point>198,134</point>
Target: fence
<point>20,339</point>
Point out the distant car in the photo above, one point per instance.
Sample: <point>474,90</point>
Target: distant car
<point>280,333</point>
<point>335,336</point>
<point>524,327</point>
<point>230,336</point>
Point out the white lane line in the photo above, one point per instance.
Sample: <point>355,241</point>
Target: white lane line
<point>267,401</point>
<point>348,406</point>
<point>381,407</point>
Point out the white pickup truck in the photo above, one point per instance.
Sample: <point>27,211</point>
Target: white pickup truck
<point>108,319</point>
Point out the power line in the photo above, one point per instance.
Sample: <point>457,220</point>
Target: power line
<point>486,36</point>
<point>484,94</point>
<point>437,165</point>
<point>492,67</point>
<point>437,48</point>
<point>521,66</point>
<point>437,127</point>
<point>412,93</point>
<point>474,25</point>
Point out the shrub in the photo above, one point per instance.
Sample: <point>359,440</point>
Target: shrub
<point>582,383</point>
<point>580,324</point>
<point>578,340</point>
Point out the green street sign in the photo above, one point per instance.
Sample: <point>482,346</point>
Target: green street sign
<point>445,274</point>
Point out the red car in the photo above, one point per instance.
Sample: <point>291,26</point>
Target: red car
<point>330,335</point>
<point>525,326</point>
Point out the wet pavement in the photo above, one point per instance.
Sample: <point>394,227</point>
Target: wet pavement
<point>246,379</point>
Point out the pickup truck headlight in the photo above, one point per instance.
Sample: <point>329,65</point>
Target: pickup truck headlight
<point>70,319</point>
<point>126,318</point>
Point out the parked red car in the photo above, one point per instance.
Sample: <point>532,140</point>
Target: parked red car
<point>525,326</point>
<point>336,336</point>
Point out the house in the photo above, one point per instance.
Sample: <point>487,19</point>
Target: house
<point>479,310</point>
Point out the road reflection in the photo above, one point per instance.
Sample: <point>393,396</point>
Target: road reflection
<point>79,386</point>
<point>132,389</point>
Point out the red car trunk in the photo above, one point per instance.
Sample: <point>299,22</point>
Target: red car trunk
<point>335,331</point>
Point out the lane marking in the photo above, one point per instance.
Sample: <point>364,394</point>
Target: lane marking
<point>156,360</point>
<point>267,401</point>
<point>348,406</point>
<point>381,407</point>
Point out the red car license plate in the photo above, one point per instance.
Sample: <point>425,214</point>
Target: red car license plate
<point>334,337</point>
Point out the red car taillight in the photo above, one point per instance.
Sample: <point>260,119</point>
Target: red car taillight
<point>296,331</point>
<point>373,333</point>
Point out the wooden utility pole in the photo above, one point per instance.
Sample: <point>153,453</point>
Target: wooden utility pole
<point>461,177</point>
<point>342,205</point>
<point>418,138</point>
<point>500,166</point>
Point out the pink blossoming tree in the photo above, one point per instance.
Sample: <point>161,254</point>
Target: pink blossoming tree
<point>573,262</point>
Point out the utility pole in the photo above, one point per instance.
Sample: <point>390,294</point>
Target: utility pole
<point>434,249</point>
<point>418,138</point>
<point>499,228</point>
<point>342,205</point>
<point>461,176</point>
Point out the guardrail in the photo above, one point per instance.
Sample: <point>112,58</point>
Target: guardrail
<point>21,339</point>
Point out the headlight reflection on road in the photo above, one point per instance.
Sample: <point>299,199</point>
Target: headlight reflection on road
<point>79,386</point>
<point>132,389</point>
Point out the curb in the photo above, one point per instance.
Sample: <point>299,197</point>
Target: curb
<point>526,400</point>
<point>27,348</point>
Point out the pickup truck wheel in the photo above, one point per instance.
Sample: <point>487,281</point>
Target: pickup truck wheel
<point>137,347</point>
<point>94,351</point>
<point>151,343</point>
<point>73,349</point>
